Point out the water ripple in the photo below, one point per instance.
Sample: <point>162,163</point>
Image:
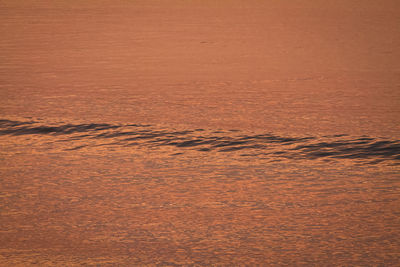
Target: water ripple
<point>337,146</point>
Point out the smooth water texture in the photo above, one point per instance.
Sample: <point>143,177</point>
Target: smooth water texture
<point>198,133</point>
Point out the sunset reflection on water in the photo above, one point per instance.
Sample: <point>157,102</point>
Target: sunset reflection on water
<point>198,133</point>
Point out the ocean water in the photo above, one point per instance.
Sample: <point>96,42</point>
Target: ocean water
<point>195,133</point>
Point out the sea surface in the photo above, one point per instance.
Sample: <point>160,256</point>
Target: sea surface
<point>199,133</point>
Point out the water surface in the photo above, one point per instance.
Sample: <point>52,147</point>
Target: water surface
<point>179,133</point>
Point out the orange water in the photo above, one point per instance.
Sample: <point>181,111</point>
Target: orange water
<point>199,133</point>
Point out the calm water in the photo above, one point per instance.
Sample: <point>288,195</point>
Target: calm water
<point>193,133</point>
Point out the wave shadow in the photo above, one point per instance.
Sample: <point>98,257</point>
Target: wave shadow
<point>335,146</point>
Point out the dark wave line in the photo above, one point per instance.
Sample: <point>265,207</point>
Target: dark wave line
<point>267,144</point>
<point>16,128</point>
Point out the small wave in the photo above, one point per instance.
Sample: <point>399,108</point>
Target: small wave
<point>337,146</point>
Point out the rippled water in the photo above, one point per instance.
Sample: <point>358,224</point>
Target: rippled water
<point>190,133</point>
<point>78,136</point>
<point>132,193</point>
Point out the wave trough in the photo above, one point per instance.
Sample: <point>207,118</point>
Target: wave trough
<point>128,135</point>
